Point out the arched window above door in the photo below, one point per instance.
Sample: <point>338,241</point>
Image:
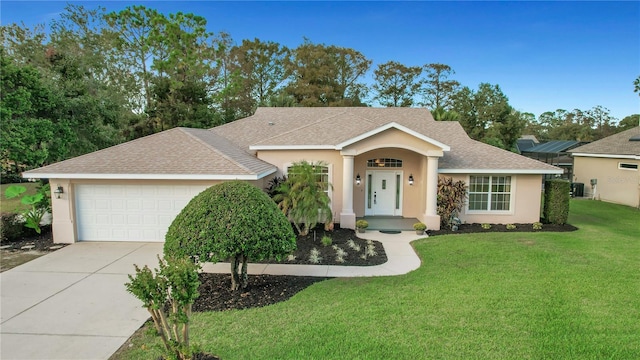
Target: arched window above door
<point>384,162</point>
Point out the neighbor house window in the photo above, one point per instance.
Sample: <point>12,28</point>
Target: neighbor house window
<point>489,193</point>
<point>628,166</point>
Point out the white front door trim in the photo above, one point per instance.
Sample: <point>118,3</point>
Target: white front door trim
<point>383,192</point>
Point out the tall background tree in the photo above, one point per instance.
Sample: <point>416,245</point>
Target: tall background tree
<point>438,87</point>
<point>261,73</point>
<point>324,75</point>
<point>396,84</point>
<point>486,115</point>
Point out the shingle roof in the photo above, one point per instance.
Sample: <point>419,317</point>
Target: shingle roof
<point>325,127</point>
<point>224,152</point>
<point>174,153</point>
<point>617,144</point>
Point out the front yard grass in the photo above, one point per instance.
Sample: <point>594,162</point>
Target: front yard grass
<point>569,295</point>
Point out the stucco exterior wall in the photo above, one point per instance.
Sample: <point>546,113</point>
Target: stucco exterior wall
<point>526,193</point>
<point>63,209</point>
<point>393,138</point>
<point>620,186</point>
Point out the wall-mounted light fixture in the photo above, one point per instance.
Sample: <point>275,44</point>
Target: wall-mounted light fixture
<point>411,179</point>
<point>358,179</point>
<point>58,191</point>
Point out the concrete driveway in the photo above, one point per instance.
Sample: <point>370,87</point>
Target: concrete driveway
<point>72,303</point>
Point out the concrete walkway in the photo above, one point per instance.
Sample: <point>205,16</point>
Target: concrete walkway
<point>401,259</point>
<point>72,303</point>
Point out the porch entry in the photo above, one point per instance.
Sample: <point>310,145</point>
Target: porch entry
<point>383,193</point>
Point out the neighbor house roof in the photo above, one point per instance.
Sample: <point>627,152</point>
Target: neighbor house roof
<point>330,128</point>
<point>524,144</point>
<point>553,147</point>
<point>625,144</point>
<point>178,153</point>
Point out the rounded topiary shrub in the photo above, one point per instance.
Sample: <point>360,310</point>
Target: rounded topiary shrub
<point>232,221</point>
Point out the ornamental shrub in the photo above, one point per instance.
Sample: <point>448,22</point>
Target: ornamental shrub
<point>168,295</point>
<point>451,197</point>
<point>232,221</point>
<point>362,224</point>
<point>557,194</point>
<point>11,227</point>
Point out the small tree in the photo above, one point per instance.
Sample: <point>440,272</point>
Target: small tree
<point>451,197</point>
<point>176,283</point>
<point>556,201</point>
<point>235,221</point>
<point>302,196</point>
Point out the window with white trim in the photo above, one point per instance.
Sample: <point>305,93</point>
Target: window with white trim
<point>489,193</point>
<point>627,166</point>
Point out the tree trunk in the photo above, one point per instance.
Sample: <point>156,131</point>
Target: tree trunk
<point>245,279</point>
<point>235,278</point>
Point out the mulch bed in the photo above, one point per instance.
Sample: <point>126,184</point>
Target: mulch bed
<point>340,238</point>
<point>477,228</point>
<point>262,290</point>
<point>34,241</point>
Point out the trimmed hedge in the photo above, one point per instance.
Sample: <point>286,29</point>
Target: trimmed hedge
<point>557,194</point>
<point>230,219</point>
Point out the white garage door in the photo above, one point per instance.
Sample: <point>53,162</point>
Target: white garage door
<point>129,212</point>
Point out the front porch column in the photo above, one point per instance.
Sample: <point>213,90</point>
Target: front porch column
<point>431,217</point>
<point>347,216</point>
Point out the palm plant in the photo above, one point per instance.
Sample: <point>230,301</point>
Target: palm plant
<point>440,114</point>
<point>302,196</point>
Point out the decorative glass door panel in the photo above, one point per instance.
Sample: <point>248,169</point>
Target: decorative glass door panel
<point>384,193</point>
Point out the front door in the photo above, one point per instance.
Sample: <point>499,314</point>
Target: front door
<point>384,193</point>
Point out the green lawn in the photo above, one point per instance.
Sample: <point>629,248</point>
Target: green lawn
<point>10,205</point>
<point>486,296</point>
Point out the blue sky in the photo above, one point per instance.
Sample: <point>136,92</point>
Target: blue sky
<point>544,55</point>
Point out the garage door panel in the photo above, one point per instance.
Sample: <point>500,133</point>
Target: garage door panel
<point>102,204</point>
<point>149,204</point>
<point>150,220</point>
<point>117,219</point>
<point>102,219</point>
<point>117,204</point>
<point>180,204</point>
<point>129,212</point>
<point>133,190</point>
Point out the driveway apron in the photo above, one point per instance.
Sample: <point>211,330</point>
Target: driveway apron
<point>72,303</point>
